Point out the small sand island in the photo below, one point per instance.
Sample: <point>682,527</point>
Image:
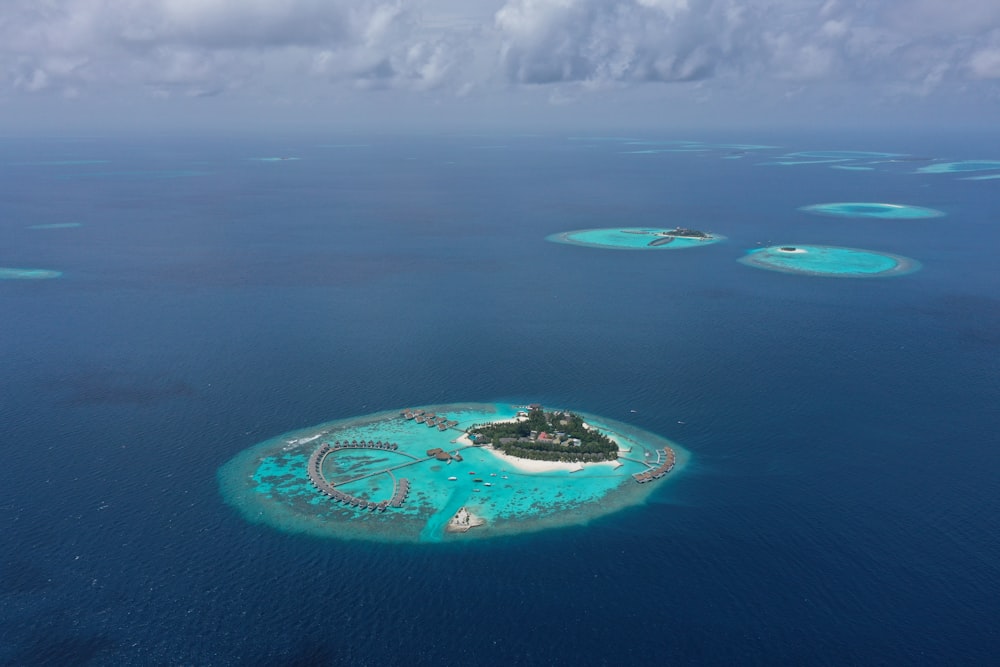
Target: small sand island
<point>637,238</point>
<point>830,261</point>
<point>424,474</point>
<point>463,521</point>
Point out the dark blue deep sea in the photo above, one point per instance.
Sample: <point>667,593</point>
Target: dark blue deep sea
<point>842,506</point>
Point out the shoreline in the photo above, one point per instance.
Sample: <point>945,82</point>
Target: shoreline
<point>533,466</point>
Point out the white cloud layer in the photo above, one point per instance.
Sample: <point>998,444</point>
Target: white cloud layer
<point>450,48</point>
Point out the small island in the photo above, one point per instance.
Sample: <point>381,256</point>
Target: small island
<point>463,521</point>
<point>434,473</point>
<point>637,238</point>
<point>829,261</point>
<point>547,436</point>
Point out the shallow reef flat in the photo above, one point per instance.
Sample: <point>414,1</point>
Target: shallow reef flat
<point>961,166</point>
<point>830,261</point>
<point>27,274</point>
<point>873,210</point>
<point>634,238</point>
<point>382,458</point>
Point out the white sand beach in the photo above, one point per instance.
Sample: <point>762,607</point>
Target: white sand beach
<point>532,466</point>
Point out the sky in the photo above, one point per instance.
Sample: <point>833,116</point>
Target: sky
<point>354,64</point>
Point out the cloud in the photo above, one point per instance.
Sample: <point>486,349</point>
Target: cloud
<point>985,64</point>
<point>324,49</point>
<point>173,45</point>
<point>549,41</point>
<point>923,43</point>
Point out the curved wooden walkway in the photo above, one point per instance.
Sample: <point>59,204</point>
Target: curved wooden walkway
<point>400,489</point>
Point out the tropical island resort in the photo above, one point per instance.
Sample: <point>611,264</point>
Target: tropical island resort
<point>637,238</point>
<point>436,473</point>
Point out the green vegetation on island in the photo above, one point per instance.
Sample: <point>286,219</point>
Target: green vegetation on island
<point>547,436</point>
<point>686,233</point>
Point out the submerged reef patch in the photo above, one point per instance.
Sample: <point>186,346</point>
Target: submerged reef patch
<point>830,261</point>
<point>637,238</point>
<point>873,210</point>
<point>27,274</point>
<point>964,165</point>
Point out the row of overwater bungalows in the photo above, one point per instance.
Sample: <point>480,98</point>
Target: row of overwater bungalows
<point>327,489</point>
<point>659,471</point>
<point>361,444</point>
<point>429,418</point>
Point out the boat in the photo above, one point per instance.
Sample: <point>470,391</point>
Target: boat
<point>452,479</point>
<point>488,484</point>
<point>477,480</point>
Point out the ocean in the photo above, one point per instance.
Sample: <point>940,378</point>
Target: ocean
<point>841,504</point>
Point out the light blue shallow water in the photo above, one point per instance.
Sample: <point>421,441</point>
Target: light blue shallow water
<point>829,261</point>
<point>873,210</point>
<point>629,238</point>
<point>847,155</point>
<point>27,274</point>
<point>963,165</point>
<point>56,225</point>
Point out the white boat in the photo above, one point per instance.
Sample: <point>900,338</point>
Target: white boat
<point>452,479</point>
<point>487,484</point>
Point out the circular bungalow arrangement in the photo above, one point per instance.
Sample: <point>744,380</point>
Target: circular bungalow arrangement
<point>830,261</point>
<point>447,472</point>
<point>873,210</point>
<point>27,274</point>
<point>637,238</point>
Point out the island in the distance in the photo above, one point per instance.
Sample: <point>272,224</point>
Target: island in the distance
<point>637,238</point>
<point>830,261</point>
<point>436,473</point>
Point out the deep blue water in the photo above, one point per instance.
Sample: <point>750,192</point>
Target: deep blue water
<point>842,506</point>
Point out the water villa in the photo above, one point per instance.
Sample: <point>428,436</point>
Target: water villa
<point>664,467</point>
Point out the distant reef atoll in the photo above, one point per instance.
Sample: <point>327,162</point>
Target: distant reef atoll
<point>28,274</point>
<point>873,210</point>
<point>436,473</point>
<point>637,238</point>
<point>830,261</point>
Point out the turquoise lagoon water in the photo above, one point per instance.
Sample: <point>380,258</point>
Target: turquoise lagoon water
<point>268,483</point>
<point>56,225</point>
<point>964,165</point>
<point>873,210</point>
<point>845,155</point>
<point>27,274</point>
<point>628,238</point>
<point>817,260</point>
